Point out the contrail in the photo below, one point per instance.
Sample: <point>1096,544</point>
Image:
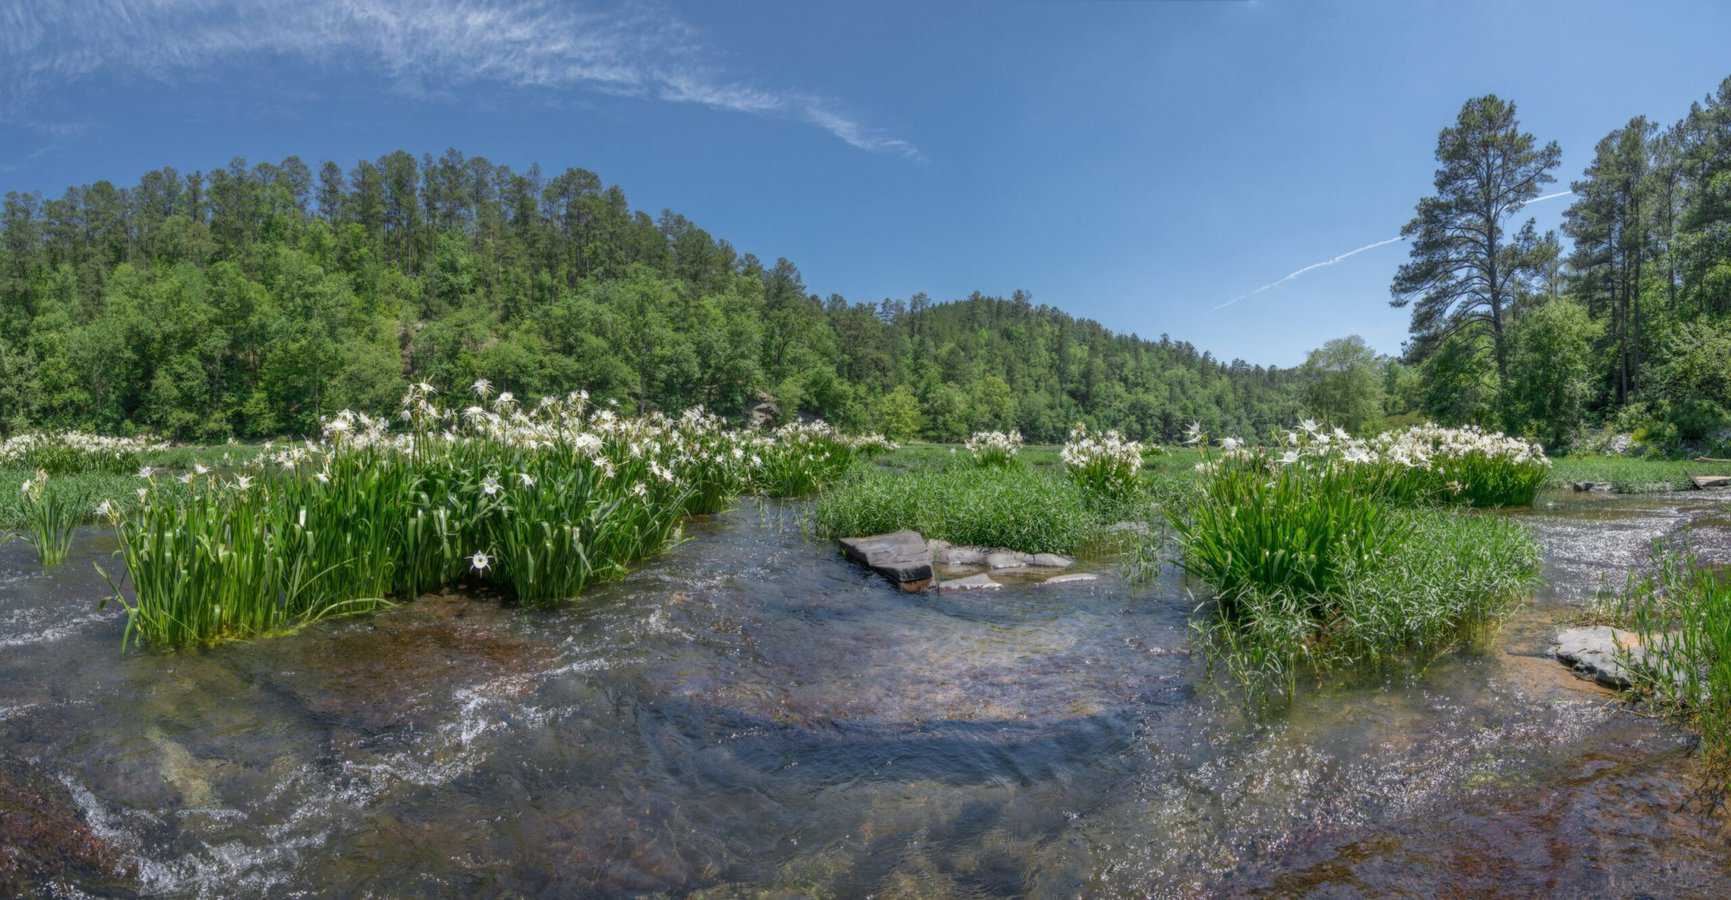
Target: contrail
<point>1317,265</point>
<point>1351,253</point>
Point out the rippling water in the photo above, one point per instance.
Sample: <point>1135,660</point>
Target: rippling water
<point>751,713</point>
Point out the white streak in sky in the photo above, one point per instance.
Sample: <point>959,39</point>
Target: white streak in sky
<point>635,48</point>
<point>1351,253</point>
<point>1327,262</point>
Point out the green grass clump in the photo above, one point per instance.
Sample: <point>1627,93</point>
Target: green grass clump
<point>1628,475</point>
<point>1017,508</point>
<point>537,505</point>
<point>1447,582</point>
<point>1682,612</point>
<point>1316,562</point>
<point>48,519</point>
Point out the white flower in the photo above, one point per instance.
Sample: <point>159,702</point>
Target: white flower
<point>146,472</point>
<point>489,485</point>
<point>200,469</point>
<point>1289,457</point>
<point>1229,444</point>
<point>1193,433</point>
<point>105,509</point>
<point>640,489</point>
<point>480,561</point>
<point>482,388</point>
<point>527,479</point>
<point>242,482</point>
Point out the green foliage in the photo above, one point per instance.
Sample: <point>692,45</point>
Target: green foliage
<point>1317,559</point>
<point>1681,614</point>
<point>1281,529</point>
<point>1446,583</point>
<point>1630,476</point>
<point>1343,384</point>
<point>535,504</point>
<point>49,519</point>
<point>1105,465</point>
<point>1017,508</point>
<point>201,306</point>
<point>1551,371</point>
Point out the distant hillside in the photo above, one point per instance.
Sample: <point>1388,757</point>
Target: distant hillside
<point>250,301</point>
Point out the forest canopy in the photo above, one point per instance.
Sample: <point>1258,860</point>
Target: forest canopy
<point>252,300</point>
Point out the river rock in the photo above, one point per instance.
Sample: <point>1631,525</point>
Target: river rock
<point>1008,559</point>
<point>1707,482</point>
<point>1593,653</point>
<point>970,583</point>
<point>1597,487</point>
<point>1051,561</point>
<point>948,554</point>
<point>1071,578</point>
<point>900,556</point>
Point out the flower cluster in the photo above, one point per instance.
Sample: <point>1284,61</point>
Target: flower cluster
<point>69,452</point>
<point>537,500</point>
<point>1420,463</point>
<point>1105,463</point>
<point>995,448</point>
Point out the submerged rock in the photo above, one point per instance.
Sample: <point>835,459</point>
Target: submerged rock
<point>900,556</point>
<point>1051,561</point>
<point>46,846</point>
<point>981,581</point>
<point>1597,487</point>
<point>1071,578</point>
<point>1593,652</point>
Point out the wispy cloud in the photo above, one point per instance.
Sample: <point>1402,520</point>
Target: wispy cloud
<point>423,46</point>
<point>1351,253</point>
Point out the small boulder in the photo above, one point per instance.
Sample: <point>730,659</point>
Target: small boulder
<point>1593,652</point>
<point>1051,561</point>
<point>1596,487</point>
<point>1072,578</point>
<point>901,557</point>
<point>970,583</point>
<point>1708,482</point>
<point>1007,559</point>
<point>948,554</point>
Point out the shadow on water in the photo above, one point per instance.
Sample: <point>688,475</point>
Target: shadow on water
<point>751,713</point>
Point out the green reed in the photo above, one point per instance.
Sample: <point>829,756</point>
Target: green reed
<point>1681,610</point>
<point>49,519</point>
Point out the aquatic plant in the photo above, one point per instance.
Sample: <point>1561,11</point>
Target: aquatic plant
<point>48,519</point>
<point>73,452</point>
<point>1317,557</point>
<point>1446,583</point>
<point>994,448</point>
<point>1105,464</point>
<point>537,503</point>
<point>798,458</point>
<point>1017,508</point>
<point>1681,612</point>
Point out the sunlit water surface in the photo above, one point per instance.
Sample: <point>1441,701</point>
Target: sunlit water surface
<point>751,713</point>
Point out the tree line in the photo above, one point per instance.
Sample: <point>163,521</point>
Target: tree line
<point>1628,329</point>
<point>250,301</point>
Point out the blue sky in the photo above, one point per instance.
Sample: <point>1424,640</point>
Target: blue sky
<point>1137,163</point>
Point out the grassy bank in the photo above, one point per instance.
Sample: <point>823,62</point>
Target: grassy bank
<point>1033,510</point>
<point>1628,475</point>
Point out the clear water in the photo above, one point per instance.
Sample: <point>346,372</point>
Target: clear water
<point>751,713</point>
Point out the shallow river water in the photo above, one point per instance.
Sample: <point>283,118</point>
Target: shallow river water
<point>750,714</point>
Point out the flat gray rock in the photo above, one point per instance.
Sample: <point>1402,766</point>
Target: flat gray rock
<point>970,583</point>
<point>900,556</point>
<point>1593,653</point>
<point>1008,559</point>
<point>1071,578</point>
<point>1708,482</point>
<point>1051,561</point>
<point>948,554</point>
